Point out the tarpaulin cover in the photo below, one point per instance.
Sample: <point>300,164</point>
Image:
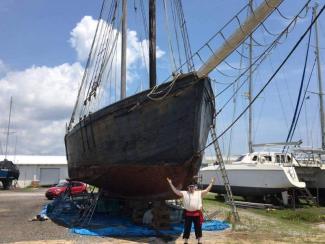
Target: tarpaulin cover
<point>101,224</point>
<point>124,227</point>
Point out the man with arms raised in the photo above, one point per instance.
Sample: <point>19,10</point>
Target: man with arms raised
<point>192,200</point>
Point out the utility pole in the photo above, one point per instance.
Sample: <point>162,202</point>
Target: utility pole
<point>320,94</point>
<point>124,48</point>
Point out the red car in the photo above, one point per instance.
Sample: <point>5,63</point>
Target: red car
<point>76,188</point>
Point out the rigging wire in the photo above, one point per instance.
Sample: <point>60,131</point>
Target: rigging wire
<point>295,118</point>
<point>307,124</point>
<point>185,37</point>
<point>265,52</point>
<point>170,46</point>
<point>103,52</point>
<point>220,33</point>
<point>303,100</point>
<point>142,51</point>
<point>85,72</point>
<point>234,112</point>
<point>173,8</point>
<point>99,54</point>
<point>269,81</point>
<point>237,90</point>
<point>1,148</point>
<point>108,45</point>
<point>277,91</point>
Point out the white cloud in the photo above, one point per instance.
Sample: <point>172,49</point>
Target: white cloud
<point>44,96</point>
<point>43,99</point>
<point>3,68</point>
<point>82,37</point>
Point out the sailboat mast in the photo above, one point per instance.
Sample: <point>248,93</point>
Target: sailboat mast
<point>238,36</point>
<point>320,93</point>
<point>152,43</point>
<point>124,40</point>
<point>7,139</point>
<point>250,87</point>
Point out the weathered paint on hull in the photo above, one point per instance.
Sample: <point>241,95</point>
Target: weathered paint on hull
<point>130,147</point>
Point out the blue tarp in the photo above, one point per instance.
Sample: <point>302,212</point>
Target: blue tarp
<point>124,227</point>
<point>101,224</point>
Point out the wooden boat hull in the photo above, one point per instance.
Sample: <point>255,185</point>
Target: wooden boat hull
<point>130,147</point>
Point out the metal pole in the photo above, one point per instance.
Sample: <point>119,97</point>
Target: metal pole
<point>321,108</point>
<point>124,48</point>
<point>250,87</point>
<point>152,43</point>
<point>7,139</point>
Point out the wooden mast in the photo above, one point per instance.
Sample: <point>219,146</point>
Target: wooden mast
<point>124,47</point>
<point>238,36</point>
<point>152,43</point>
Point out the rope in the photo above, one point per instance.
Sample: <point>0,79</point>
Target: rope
<point>154,90</point>
<point>269,81</point>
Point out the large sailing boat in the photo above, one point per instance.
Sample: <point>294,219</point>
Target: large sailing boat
<point>128,148</point>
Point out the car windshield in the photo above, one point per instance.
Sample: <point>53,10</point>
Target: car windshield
<point>62,184</point>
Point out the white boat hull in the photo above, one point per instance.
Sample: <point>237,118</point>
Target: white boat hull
<point>252,179</point>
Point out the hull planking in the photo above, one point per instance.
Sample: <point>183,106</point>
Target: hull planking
<point>130,147</point>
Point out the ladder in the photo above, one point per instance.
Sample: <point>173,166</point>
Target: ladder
<point>306,194</point>
<point>219,159</point>
<point>89,210</point>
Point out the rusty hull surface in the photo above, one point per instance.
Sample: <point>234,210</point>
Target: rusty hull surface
<point>140,181</point>
<point>130,147</point>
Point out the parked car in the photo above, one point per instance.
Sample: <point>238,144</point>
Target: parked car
<point>76,188</point>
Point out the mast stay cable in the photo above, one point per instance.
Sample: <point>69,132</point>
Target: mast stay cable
<point>295,118</point>
<point>270,79</point>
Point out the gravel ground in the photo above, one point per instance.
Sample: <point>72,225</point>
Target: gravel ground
<point>17,208</point>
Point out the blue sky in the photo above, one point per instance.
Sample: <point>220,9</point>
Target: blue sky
<point>41,69</point>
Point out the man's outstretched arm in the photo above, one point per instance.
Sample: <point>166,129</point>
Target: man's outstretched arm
<point>175,190</point>
<point>206,190</point>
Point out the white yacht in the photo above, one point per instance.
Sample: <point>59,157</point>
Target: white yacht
<point>255,174</point>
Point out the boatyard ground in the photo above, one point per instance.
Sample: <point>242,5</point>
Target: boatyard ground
<point>304,225</point>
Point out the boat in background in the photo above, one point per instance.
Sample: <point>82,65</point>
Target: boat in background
<point>310,168</point>
<point>310,164</point>
<point>8,173</point>
<point>8,170</point>
<point>256,174</point>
